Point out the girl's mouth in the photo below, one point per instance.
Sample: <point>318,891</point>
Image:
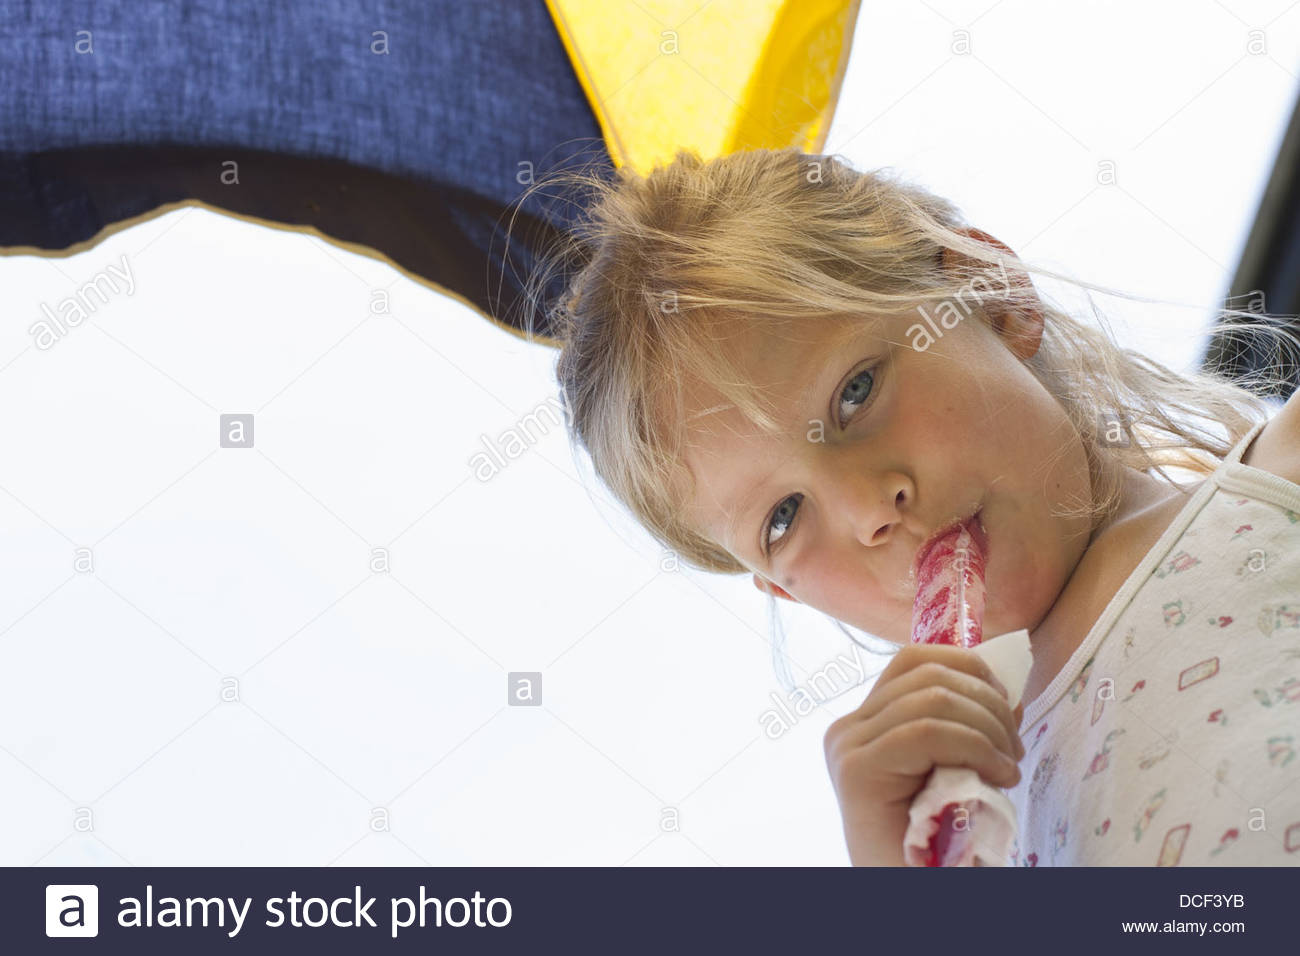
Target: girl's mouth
<point>972,524</point>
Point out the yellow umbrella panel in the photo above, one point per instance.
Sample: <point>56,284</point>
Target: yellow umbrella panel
<point>716,77</point>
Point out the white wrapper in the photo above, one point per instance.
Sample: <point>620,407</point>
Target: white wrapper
<point>989,825</point>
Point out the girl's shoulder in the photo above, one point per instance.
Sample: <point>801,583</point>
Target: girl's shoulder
<point>1276,449</point>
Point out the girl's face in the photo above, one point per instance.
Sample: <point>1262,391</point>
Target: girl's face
<point>883,444</point>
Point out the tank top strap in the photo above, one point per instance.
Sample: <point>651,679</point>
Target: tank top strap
<point>1233,457</point>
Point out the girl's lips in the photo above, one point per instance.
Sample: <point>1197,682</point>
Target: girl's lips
<point>972,525</point>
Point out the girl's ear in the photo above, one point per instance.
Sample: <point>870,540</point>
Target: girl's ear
<point>1022,332</point>
<point>768,588</point>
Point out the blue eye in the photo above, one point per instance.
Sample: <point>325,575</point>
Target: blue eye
<point>781,518</point>
<point>856,391</point>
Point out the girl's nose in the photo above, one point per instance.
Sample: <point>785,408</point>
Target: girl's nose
<point>873,504</point>
<point>882,521</point>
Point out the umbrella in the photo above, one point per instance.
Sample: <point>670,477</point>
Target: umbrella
<point>409,132</point>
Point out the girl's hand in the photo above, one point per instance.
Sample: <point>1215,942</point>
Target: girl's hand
<point>934,705</point>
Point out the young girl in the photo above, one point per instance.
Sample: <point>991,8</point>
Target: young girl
<point>788,368</point>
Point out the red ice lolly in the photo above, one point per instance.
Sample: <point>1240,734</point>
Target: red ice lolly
<point>949,609</point>
<point>949,603</point>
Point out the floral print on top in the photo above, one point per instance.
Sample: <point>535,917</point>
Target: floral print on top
<point>1170,738</point>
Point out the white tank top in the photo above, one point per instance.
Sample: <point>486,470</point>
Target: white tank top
<point>1172,735</point>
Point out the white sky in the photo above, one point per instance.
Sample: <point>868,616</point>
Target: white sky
<point>361,690</point>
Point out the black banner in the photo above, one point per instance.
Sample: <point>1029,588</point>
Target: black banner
<point>641,910</point>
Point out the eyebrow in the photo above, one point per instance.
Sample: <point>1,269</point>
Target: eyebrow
<point>818,389</point>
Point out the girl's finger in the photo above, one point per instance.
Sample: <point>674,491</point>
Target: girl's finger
<point>916,747</point>
<point>931,674</point>
<point>937,702</point>
<point>958,658</point>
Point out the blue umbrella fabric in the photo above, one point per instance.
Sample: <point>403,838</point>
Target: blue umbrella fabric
<point>413,128</point>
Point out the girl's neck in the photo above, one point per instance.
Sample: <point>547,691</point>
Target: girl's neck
<point>1147,507</point>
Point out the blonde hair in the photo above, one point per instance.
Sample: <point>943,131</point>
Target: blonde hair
<point>773,236</point>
